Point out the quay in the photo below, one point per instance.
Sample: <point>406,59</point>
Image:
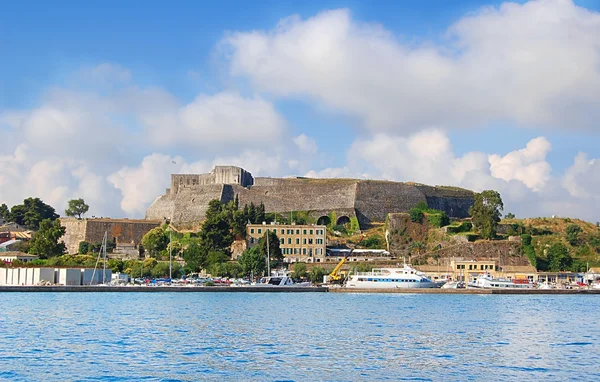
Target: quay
<point>252,289</point>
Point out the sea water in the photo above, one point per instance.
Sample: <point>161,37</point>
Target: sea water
<point>297,337</point>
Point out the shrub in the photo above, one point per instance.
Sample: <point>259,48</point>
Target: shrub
<point>438,220</point>
<point>416,215</point>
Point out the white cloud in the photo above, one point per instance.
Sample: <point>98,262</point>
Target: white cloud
<point>306,144</point>
<point>527,165</point>
<point>582,179</point>
<point>140,185</point>
<point>535,64</point>
<point>225,118</point>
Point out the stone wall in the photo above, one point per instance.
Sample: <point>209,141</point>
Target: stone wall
<point>376,199</point>
<point>123,231</point>
<point>74,233</point>
<point>368,200</point>
<point>455,201</point>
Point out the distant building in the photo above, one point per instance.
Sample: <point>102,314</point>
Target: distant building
<point>336,254</point>
<point>9,257</point>
<point>298,243</point>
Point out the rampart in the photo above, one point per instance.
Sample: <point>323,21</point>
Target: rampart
<point>367,200</point>
<point>121,231</point>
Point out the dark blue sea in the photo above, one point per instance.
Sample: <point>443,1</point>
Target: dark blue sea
<point>297,337</point>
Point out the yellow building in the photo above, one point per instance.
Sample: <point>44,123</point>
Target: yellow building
<point>298,243</point>
<point>469,270</point>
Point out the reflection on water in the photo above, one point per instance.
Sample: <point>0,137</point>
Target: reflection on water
<point>232,336</point>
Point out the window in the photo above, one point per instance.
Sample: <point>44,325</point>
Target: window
<point>260,230</point>
<point>251,230</point>
<point>304,251</point>
<point>282,241</point>
<point>282,231</point>
<point>297,232</point>
<point>310,252</point>
<point>251,240</point>
<point>289,240</point>
<point>304,241</point>
<point>305,232</point>
<point>311,232</point>
<point>297,241</point>
<point>310,241</point>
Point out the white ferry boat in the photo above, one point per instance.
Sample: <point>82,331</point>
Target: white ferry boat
<point>390,278</point>
<point>486,281</point>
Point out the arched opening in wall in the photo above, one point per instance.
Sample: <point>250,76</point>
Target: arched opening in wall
<point>324,220</point>
<point>342,220</point>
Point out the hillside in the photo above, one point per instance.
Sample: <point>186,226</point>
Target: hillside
<point>519,242</point>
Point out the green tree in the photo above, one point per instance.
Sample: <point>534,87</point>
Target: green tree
<point>416,215</point>
<point>77,207</point>
<point>486,212</point>
<point>316,274</point>
<point>160,270</point>
<point>45,242</point>
<point>216,234</point>
<point>558,257</point>
<point>194,257</point>
<point>275,253</point>
<point>84,248</point>
<point>509,215</point>
<point>299,270</point>
<point>32,212</point>
<point>572,234</point>
<point>253,262</point>
<point>4,212</point>
<point>155,241</point>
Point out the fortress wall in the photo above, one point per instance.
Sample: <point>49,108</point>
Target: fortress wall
<point>454,201</point>
<point>190,204</point>
<point>284,195</point>
<point>75,233</point>
<point>376,199</point>
<point>122,230</point>
<point>163,207</point>
<point>92,231</point>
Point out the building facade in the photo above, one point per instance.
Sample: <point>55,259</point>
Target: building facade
<point>298,243</point>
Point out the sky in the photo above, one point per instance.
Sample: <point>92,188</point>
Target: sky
<point>103,100</point>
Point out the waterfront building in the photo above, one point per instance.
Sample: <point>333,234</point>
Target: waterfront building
<point>468,270</point>
<point>10,256</point>
<point>298,243</point>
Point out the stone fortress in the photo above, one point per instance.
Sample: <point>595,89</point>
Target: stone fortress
<point>345,200</point>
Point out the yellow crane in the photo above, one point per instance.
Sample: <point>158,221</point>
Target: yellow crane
<point>335,276</point>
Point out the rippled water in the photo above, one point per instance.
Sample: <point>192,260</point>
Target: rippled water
<point>297,336</point>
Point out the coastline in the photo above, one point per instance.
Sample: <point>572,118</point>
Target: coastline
<point>251,289</point>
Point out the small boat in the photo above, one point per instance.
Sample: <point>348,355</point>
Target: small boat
<point>486,281</point>
<point>391,278</point>
<point>454,285</point>
<point>279,281</point>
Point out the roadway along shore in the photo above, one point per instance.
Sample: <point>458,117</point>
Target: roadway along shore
<point>252,289</point>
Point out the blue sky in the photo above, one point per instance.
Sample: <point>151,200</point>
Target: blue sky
<point>441,92</point>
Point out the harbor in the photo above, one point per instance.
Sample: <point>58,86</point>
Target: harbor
<point>283,289</point>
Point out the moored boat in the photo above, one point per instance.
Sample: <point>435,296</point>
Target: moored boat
<point>390,278</point>
<point>486,281</point>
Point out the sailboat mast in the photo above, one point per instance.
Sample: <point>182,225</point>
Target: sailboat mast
<point>105,243</point>
<point>268,256</point>
<point>170,255</point>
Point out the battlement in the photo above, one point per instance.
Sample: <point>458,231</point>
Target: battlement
<point>218,175</point>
